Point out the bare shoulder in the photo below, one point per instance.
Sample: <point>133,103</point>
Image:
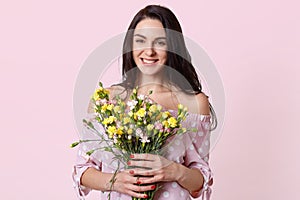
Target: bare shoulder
<point>203,104</point>
<point>117,90</point>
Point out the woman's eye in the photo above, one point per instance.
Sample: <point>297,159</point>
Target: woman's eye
<point>139,41</point>
<point>161,43</point>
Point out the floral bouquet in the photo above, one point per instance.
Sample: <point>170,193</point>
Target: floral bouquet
<point>136,126</point>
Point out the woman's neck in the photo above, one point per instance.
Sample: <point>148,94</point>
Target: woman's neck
<point>155,83</point>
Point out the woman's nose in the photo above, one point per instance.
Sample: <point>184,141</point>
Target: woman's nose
<point>149,51</point>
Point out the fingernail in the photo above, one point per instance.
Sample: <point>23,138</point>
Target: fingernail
<point>128,163</point>
<point>153,187</point>
<point>131,172</point>
<point>138,182</point>
<point>131,156</point>
<point>145,196</point>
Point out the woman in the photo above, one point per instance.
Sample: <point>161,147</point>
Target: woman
<point>155,58</point>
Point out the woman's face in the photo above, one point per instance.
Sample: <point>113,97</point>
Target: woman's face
<point>150,46</point>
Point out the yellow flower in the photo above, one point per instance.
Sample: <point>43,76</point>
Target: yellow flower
<point>104,108</point>
<point>119,131</point>
<point>110,119</point>
<point>150,127</point>
<point>141,112</point>
<point>96,96</point>
<point>130,131</point>
<point>180,106</point>
<point>165,123</point>
<point>166,114</point>
<point>172,122</point>
<point>110,107</point>
<point>105,121</point>
<point>111,131</point>
<point>117,109</point>
<point>126,120</point>
<point>130,113</point>
<point>153,108</point>
<point>100,92</point>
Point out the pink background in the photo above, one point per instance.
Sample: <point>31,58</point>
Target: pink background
<point>254,44</point>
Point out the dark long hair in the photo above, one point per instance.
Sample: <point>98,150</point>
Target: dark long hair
<point>178,57</point>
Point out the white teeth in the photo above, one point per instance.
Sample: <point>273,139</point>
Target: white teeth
<point>148,61</point>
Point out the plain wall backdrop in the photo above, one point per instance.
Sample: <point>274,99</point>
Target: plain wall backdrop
<point>254,44</point>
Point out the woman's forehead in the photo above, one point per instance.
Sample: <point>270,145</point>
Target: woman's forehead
<point>150,28</point>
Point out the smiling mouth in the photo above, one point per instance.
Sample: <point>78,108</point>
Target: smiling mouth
<point>148,61</point>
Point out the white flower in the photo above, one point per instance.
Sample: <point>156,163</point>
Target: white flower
<point>132,104</point>
<point>144,139</point>
<point>103,101</point>
<point>141,97</point>
<point>115,140</point>
<point>139,132</point>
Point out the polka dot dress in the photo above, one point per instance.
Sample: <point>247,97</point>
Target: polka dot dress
<point>190,149</point>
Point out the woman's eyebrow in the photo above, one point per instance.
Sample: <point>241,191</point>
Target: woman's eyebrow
<point>157,38</point>
<point>139,35</point>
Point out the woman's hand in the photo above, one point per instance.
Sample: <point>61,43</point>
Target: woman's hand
<point>153,168</point>
<point>126,182</point>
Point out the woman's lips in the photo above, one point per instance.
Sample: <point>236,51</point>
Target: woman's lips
<point>146,61</point>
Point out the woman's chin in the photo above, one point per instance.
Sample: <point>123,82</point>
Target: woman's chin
<point>150,71</point>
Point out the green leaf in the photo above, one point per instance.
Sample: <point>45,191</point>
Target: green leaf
<point>74,144</point>
<point>90,124</point>
<point>90,152</point>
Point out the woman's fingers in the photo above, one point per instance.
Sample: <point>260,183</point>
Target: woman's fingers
<point>128,183</point>
<point>148,161</point>
<point>137,195</point>
<point>143,156</point>
<point>145,172</point>
<point>151,179</point>
<point>158,164</point>
<point>141,188</point>
<point>152,168</point>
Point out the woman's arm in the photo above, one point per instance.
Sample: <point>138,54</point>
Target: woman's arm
<point>190,179</point>
<point>123,182</point>
<point>95,179</point>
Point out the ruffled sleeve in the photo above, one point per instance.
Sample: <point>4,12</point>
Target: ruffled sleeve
<point>83,163</point>
<point>197,154</point>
